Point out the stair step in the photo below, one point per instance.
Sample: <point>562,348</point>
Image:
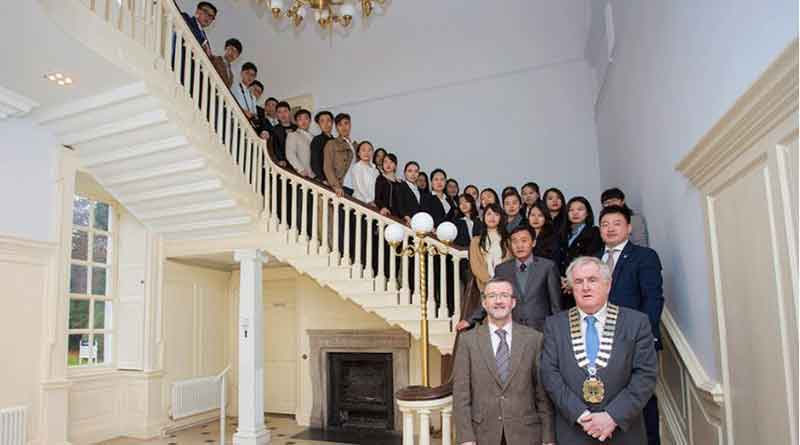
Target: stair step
<point>349,286</point>
<point>203,224</point>
<point>140,121</point>
<point>127,139</point>
<point>175,169</point>
<point>434,326</point>
<point>202,207</point>
<point>105,114</point>
<point>129,154</point>
<point>374,299</point>
<point>196,188</point>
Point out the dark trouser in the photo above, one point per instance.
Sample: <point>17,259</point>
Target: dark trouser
<point>503,438</point>
<point>651,421</point>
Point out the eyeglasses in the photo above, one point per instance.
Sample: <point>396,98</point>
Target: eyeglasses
<point>498,296</point>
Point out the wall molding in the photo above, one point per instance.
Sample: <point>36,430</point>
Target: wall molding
<point>14,104</point>
<point>15,249</point>
<point>768,101</point>
<point>711,389</point>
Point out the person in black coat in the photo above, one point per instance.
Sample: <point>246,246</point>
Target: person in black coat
<point>546,241</point>
<point>436,203</point>
<point>324,120</point>
<point>580,238</point>
<point>409,197</point>
<point>467,221</point>
<point>387,186</point>
<point>554,201</point>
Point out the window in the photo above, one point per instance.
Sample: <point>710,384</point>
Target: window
<point>90,289</point>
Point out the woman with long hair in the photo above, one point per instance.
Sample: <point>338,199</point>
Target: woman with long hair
<point>386,187</point>
<point>452,190</point>
<point>472,190</point>
<point>467,221</point>
<point>512,204</point>
<point>422,183</point>
<point>491,247</point>
<point>546,239</point>
<point>530,196</point>
<point>554,200</point>
<point>377,159</point>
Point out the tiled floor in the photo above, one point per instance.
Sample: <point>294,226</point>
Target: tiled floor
<point>284,432</point>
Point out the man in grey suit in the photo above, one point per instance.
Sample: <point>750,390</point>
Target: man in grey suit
<point>535,280</point>
<point>497,395</point>
<point>598,363</point>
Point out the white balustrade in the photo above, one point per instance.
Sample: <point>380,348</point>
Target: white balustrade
<point>422,410</point>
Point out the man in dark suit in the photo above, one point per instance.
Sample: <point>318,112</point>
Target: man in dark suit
<point>498,397</point>
<point>324,120</point>
<point>204,16</point>
<point>636,284</point>
<point>598,363</point>
<point>536,283</point>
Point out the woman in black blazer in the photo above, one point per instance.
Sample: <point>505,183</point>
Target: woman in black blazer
<point>467,221</point>
<point>554,201</point>
<point>436,203</point>
<point>546,242</point>
<point>581,238</point>
<point>386,187</point>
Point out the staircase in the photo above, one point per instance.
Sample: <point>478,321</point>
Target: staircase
<point>176,150</point>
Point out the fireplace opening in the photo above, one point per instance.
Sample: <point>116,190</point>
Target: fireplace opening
<point>360,391</point>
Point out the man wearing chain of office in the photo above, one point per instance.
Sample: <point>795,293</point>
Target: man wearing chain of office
<point>598,363</point>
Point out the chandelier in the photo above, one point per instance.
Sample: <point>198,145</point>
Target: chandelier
<point>326,12</point>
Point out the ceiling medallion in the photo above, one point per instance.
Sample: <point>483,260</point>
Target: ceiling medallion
<point>326,12</point>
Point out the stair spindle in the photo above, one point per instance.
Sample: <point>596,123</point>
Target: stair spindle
<point>368,271</point>
<point>324,205</point>
<point>347,251</point>
<point>313,247</point>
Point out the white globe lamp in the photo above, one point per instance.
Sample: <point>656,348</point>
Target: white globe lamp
<point>446,232</point>
<point>422,224</point>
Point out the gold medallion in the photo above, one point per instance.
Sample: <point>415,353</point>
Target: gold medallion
<point>593,390</point>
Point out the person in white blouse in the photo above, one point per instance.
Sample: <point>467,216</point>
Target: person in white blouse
<point>298,144</point>
<point>362,175</point>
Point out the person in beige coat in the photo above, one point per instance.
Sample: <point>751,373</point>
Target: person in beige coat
<point>298,144</point>
<point>339,154</point>
<point>497,395</point>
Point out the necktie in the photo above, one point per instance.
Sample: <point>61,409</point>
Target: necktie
<point>592,341</point>
<point>611,261</point>
<point>502,357</point>
<point>523,267</point>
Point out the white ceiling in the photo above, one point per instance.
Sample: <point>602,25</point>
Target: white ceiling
<point>33,45</point>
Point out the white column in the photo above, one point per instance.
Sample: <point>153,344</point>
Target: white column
<point>251,429</point>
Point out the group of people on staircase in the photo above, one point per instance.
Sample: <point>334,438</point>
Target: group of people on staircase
<point>581,298</point>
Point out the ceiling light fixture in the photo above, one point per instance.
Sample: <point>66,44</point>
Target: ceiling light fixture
<point>326,12</point>
<point>59,78</point>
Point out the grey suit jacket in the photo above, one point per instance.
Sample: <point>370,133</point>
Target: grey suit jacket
<point>540,298</point>
<point>483,407</point>
<point>629,378</point>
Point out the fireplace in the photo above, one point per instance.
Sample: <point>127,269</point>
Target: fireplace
<point>360,391</point>
<point>375,349</point>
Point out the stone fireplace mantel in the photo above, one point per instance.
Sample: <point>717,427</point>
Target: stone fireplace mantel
<point>323,341</point>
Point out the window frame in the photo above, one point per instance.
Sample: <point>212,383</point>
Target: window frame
<point>112,276</point>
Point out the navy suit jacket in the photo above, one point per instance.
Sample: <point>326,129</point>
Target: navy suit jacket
<point>197,31</point>
<point>637,284</point>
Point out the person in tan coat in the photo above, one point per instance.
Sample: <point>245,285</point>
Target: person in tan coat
<point>497,395</point>
<point>490,248</point>
<point>338,154</point>
<point>233,49</point>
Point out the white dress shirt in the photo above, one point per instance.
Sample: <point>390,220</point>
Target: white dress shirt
<point>298,150</point>
<point>496,338</point>
<point>599,324</point>
<point>361,177</point>
<point>245,98</point>
<point>414,189</point>
<point>444,201</point>
<point>617,252</point>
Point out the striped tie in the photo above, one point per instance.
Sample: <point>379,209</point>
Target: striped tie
<point>502,357</point>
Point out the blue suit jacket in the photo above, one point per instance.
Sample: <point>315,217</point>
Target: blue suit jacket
<point>637,284</point>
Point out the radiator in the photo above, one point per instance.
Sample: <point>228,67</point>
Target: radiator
<point>194,396</point>
<point>12,426</point>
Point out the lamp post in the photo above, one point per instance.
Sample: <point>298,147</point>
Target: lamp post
<point>422,225</point>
